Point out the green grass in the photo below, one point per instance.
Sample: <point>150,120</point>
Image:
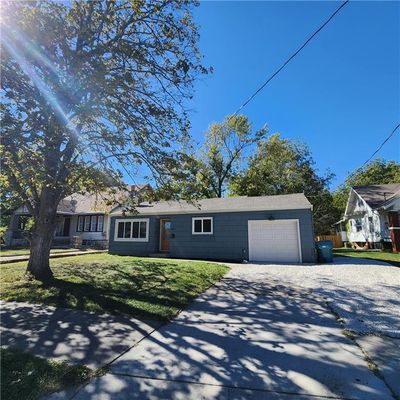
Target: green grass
<point>385,255</point>
<point>20,252</point>
<point>24,376</point>
<point>139,287</point>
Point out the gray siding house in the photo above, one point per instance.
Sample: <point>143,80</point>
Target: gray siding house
<point>267,228</point>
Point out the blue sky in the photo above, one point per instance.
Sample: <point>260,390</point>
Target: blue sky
<point>341,95</point>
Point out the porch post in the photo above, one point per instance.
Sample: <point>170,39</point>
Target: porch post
<point>394,229</point>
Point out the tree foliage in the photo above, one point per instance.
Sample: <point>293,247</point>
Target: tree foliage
<point>282,166</point>
<point>207,173</point>
<point>377,172</point>
<point>187,182</point>
<point>87,87</point>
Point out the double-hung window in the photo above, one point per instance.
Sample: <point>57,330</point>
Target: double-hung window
<point>202,226</point>
<point>358,224</point>
<point>134,230</point>
<point>87,224</point>
<point>100,223</point>
<point>90,223</point>
<point>371,225</point>
<point>81,223</point>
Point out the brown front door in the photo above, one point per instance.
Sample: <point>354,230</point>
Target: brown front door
<point>165,226</point>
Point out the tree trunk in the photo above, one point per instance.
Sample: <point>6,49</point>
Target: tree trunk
<point>39,265</point>
<point>41,237</point>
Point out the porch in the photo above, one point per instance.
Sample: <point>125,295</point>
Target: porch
<point>67,233</point>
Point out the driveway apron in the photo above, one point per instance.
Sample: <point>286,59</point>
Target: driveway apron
<point>248,337</point>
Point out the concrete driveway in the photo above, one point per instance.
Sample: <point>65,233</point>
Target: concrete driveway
<point>252,336</point>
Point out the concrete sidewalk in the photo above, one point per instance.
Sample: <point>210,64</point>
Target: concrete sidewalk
<point>78,337</point>
<point>249,337</point>
<point>12,259</point>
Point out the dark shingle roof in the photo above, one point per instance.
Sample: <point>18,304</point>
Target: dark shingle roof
<point>377,195</point>
<point>296,201</point>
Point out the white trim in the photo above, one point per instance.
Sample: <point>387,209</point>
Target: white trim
<point>394,227</point>
<point>299,240</point>
<point>201,219</point>
<point>131,239</point>
<point>274,221</point>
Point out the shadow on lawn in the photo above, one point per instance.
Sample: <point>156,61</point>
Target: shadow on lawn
<point>139,296</point>
<point>148,290</point>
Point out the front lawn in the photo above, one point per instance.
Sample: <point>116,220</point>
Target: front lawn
<point>27,377</point>
<point>137,287</point>
<point>385,255</point>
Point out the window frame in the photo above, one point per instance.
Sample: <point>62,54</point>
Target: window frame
<point>78,228</point>
<point>132,239</point>
<point>22,221</point>
<point>102,223</point>
<point>358,222</point>
<point>90,217</point>
<point>371,223</point>
<point>194,219</point>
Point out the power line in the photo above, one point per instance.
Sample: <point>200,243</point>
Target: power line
<point>383,143</point>
<point>290,58</point>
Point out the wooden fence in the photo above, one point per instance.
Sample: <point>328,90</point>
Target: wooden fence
<point>336,240</point>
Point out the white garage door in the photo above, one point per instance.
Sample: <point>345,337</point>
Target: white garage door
<point>276,241</point>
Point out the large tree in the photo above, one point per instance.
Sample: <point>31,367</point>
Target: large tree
<point>283,166</point>
<point>90,86</point>
<point>376,172</point>
<point>206,173</point>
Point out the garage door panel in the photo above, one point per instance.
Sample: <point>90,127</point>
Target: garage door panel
<point>275,241</point>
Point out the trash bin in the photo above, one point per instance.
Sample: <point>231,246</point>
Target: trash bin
<point>324,251</point>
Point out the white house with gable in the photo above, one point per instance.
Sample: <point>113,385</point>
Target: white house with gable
<point>371,218</point>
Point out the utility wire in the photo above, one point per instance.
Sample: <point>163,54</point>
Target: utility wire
<point>383,143</point>
<point>290,58</point>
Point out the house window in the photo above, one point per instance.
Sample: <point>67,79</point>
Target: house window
<point>90,223</point>
<point>124,230</point>
<point>25,222</point>
<point>81,222</point>
<point>202,226</point>
<point>87,223</point>
<point>371,225</point>
<point>134,230</point>
<point>93,223</point>
<point>100,223</point>
<point>358,224</point>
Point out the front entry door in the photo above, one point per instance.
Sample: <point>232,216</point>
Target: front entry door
<point>67,224</point>
<point>165,226</point>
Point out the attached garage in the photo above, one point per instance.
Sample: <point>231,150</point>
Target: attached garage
<point>274,241</point>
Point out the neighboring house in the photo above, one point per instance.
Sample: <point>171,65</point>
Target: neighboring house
<point>82,219</point>
<point>371,218</point>
<point>268,228</point>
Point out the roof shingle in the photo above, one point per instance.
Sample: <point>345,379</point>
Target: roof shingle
<point>294,201</point>
<point>377,195</point>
